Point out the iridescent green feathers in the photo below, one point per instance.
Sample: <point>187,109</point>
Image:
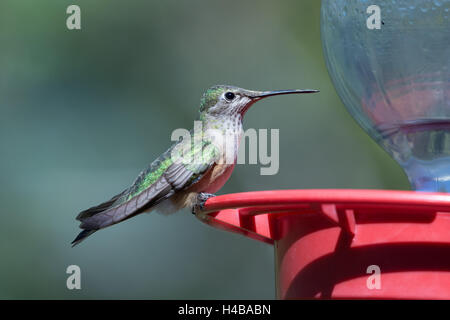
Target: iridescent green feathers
<point>210,97</point>
<point>193,157</point>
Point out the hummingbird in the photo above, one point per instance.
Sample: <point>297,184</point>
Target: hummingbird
<point>188,173</point>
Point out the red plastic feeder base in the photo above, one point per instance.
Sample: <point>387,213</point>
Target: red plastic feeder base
<point>353,244</point>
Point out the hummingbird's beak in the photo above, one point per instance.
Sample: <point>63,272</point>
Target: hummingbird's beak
<point>264,94</point>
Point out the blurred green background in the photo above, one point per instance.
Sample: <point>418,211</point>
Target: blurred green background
<point>83,112</point>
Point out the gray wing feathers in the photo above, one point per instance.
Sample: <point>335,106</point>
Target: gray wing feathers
<point>100,208</point>
<point>174,178</point>
<point>178,175</point>
<point>129,208</point>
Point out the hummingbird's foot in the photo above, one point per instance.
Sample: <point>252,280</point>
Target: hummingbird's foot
<point>202,197</point>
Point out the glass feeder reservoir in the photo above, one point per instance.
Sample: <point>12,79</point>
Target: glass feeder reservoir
<point>390,63</point>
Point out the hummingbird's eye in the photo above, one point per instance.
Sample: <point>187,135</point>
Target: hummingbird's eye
<point>229,96</point>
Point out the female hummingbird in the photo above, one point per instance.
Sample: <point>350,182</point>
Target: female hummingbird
<point>191,170</point>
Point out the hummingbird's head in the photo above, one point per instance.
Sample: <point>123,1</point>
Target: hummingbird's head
<point>223,100</point>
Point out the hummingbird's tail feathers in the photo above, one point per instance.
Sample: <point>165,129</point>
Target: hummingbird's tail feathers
<point>81,236</point>
<point>93,219</point>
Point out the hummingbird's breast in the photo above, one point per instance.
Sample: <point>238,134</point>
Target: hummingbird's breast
<point>214,179</point>
<point>211,182</point>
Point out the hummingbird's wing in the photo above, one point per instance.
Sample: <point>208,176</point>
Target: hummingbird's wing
<point>176,169</point>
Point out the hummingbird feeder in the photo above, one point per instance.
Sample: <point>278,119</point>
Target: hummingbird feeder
<point>390,64</point>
